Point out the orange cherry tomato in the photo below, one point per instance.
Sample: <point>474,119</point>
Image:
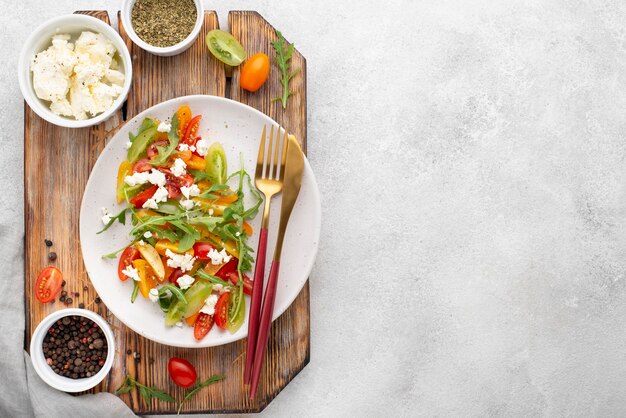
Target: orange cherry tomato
<point>254,72</point>
<point>184,116</point>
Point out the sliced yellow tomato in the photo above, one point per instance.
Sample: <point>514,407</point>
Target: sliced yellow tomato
<point>142,213</point>
<point>146,274</point>
<point>229,245</point>
<point>149,253</point>
<point>247,228</point>
<point>195,162</point>
<point>206,205</point>
<point>191,320</point>
<point>203,185</point>
<point>168,270</point>
<point>226,199</point>
<point>184,116</point>
<point>183,155</point>
<point>124,170</point>
<point>163,245</point>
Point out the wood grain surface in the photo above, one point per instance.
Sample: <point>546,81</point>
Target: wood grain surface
<point>57,165</point>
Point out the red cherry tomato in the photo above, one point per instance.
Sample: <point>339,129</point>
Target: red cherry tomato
<point>201,250</point>
<point>48,284</point>
<point>142,197</point>
<point>126,259</point>
<point>152,150</point>
<point>191,131</point>
<point>174,183</point>
<point>254,72</point>
<point>221,310</point>
<point>229,272</point>
<point>203,325</point>
<point>175,275</point>
<point>182,372</point>
<point>142,165</point>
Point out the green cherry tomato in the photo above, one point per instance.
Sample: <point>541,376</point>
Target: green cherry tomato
<point>236,309</point>
<point>195,296</point>
<point>216,163</point>
<point>225,47</point>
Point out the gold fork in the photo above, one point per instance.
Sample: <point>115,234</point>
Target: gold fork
<point>268,177</point>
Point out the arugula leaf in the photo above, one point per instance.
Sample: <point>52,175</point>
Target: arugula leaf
<point>174,290</point>
<point>208,194</point>
<point>283,58</point>
<point>121,217</point>
<point>146,392</point>
<point>167,151</point>
<point>186,242</point>
<point>198,387</point>
<point>213,279</point>
<point>113,255</point>
<point>133,295</point>
<point>211,222</point>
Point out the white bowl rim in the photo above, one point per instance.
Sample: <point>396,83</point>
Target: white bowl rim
<point>175,49</point>
<point>61,382</point>
<point>38,106</point>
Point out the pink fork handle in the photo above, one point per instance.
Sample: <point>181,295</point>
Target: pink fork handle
<point>255,304</point>
<point>264,326</point>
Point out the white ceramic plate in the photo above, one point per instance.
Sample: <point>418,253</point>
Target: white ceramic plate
<point>238,127</point>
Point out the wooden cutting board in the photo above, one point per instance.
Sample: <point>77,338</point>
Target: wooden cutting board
<point>57,163</point>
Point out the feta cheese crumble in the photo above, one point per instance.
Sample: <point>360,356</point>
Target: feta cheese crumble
<point>185,281</point>
<point>153,176</point>
<point>178,169</point>
<point>159,196</point>
<point>209,305</point>
<point>106,218</point>
<point>218,257</point>
<point>179,324</point>
<point>185,147</point>
<point>128,144</point>
<point>154,295</point>
<point>79,80</point>
<point>147,235</point>
<point>190,191</point>
<point>182,261</point>
<point>132,273</point>
<point>187,204</point>
<point>164,127</point>
<point>202,147</point>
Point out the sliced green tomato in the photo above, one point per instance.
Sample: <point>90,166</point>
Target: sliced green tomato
<point>141,143</point>
<point>132,191</point>
<point>170,207</point>
<point>225,47</point>
<point>236,309</point>
<point>195,295</point>
<point>216,163</point>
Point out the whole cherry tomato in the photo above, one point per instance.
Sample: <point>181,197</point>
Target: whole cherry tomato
<point>254,72</point>
<point>182,372</point>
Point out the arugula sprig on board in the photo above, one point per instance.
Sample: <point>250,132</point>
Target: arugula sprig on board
<point>146,392</point>
<point>283,58</point>
<point>197,387</point>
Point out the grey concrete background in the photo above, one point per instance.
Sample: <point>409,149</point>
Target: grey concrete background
<point>470,155</point>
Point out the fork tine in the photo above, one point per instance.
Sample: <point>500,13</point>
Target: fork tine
<point>276,153</point>
<point>261,158</point>
<point>268,163</point>
<point>284,156</point>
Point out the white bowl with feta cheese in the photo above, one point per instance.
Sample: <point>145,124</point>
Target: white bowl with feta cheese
<point>75,71</point>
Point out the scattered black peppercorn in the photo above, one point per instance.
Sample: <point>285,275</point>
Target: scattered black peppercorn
<point>76,294</point>
<point>63,283</point>
<point>68,301</point>
<point>129,352</point>
<point>85,288</point>
<point>62,299</point>
<point>48,243</point>
<point>63,293</point>
<point>73,347</point>
<point>97,300</point>
<point>81,305</point>
<point>52,256</point>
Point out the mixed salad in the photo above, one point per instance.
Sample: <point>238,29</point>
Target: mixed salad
<point>189,251</point>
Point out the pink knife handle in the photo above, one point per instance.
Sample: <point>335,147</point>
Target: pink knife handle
<point>264,326</point>
<point>255,304</point>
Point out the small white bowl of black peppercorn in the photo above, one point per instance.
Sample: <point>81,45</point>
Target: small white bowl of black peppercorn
<point>72,350</point>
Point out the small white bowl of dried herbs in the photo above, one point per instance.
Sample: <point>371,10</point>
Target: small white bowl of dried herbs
<point>163,27</point>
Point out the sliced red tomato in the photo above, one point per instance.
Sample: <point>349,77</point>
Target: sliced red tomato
<point>201,250</point>
<point>221,310</point>
<point>142,197</point>
<point>229,273</point>
<point>174,183</point>
<point>152,150</point>
<point>48,284</point>
<point>175,275</point>
<point>142,165</point>
<point>191,131</point>
<point>203,325</point>
<point>182,372</point>
<point>126,259</point>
